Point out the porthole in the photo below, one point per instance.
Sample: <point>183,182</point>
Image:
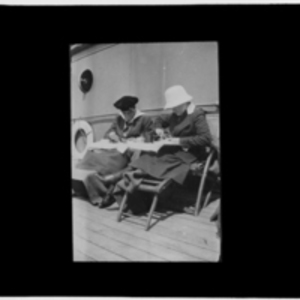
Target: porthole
<point>86,81</point>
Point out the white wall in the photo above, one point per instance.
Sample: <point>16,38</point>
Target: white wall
<point>111,81</point>
<point>146,71</point>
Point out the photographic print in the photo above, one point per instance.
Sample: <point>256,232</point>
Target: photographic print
<point>146,180</point>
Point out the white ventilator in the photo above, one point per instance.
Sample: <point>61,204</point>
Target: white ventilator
<point>87,129</point>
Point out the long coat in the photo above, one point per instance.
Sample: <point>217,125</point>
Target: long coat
<point>106,162</point>
<point>174,161</point>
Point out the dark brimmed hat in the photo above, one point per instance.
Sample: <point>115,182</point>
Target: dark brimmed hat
<point>126,102</point>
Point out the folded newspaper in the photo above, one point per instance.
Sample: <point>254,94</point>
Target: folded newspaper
<point>154,147</point>
<point>122,147</point>
<point>107,144</point>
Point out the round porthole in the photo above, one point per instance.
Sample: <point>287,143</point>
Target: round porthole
<point>86,81</point>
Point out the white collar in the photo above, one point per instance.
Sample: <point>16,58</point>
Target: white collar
<point>191,108</point>
<point>138,113</point>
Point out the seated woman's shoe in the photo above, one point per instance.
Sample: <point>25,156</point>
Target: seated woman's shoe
<point>96,201</point>
<point>133,212</point>
<point>108,201</point>
<point>189,210</point>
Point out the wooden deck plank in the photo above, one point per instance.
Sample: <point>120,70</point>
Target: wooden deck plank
<point>196,224</point>
<point>202,218</point>
<point>162,253</point>
<point>199,231</point>
<point>185,236</point>
<point>154,239</point>
<point>79,256</point>
<point>86,210</point>
<point>209,241</point>
<point>125,250</point>
<point>91,250</point>
<point>193,223</point>
<point>192,236</point>
<point>199,219</point>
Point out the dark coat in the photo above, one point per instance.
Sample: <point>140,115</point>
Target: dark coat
<point>174,161</point>
<point>192,129</point>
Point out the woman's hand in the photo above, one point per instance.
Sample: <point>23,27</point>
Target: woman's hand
<point>113,137</point>
<point>160,132</point>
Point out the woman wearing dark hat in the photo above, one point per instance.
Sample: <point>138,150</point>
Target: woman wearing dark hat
<point>130,124</point>
<point>190,136</point>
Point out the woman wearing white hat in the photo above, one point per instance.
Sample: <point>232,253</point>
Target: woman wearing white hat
<point>189,136</point>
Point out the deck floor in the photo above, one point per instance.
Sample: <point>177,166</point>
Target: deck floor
<point>97,236</point>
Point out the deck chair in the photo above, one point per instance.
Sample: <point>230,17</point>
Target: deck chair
<point>149,185</point>
<point>157,186</point>
<point>202,170</point>
<point>216,149</point>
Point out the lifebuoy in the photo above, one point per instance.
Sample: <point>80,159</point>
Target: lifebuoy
<point>81,129</point>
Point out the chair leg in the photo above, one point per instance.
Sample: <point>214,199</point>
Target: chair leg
<point>199,196</point>
<point>203,179</point>
<point>151,211</point>
<point>122,207</point>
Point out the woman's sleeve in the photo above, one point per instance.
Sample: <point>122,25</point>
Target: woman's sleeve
<point>202,137</point>
<point>162,121</point>
<point>148,129</point>
<point>112,128</point>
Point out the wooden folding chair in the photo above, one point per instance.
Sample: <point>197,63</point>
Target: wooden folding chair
<point>214,153</point>
<point>204,174</point>
<point>156,186</point>
<point>153,186</point>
